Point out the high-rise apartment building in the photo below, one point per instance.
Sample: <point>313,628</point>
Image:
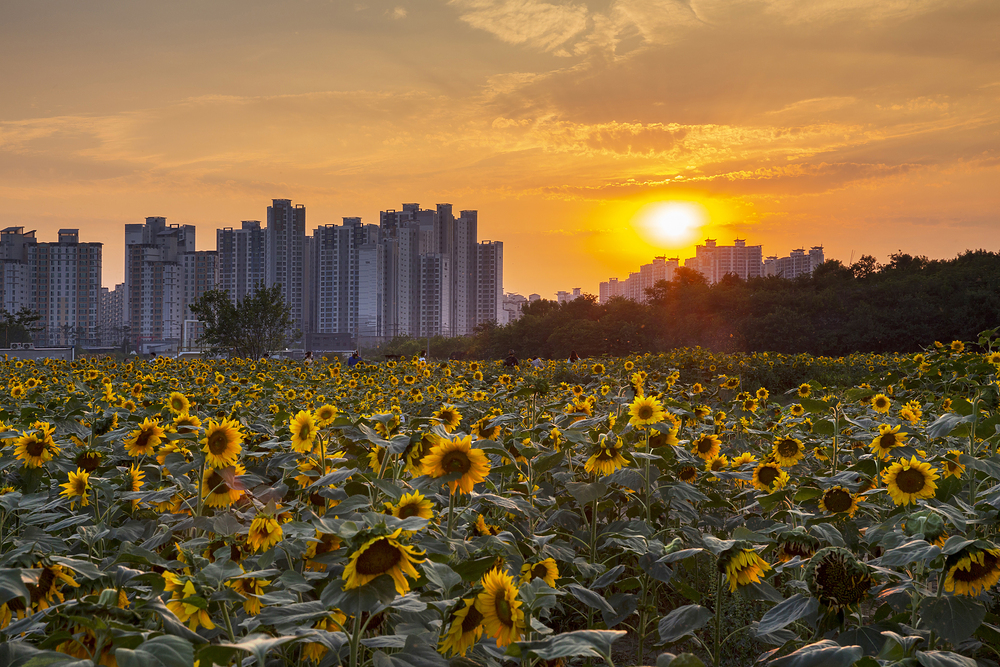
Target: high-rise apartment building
<point>242,258</point>
<point>59,281</point>
<point>714,261</point>
<point>434,295</point>
<point>286,256</point>
<point>798,263</point>
<point>110,328</point>
<point>346,275</point>
<point>489,297</point>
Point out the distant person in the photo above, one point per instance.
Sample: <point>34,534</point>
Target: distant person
<point>152,355</point>
<point>538,363</point>
<point>573,356</point>
<point>308,359</point>
<point>423,358</point>
<point>354,360</point>
<point>511,360</point>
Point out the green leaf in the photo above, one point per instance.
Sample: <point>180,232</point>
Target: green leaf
<point>943,425</point>
<point>788,611</point>
<point>441,576</point>
<point>944,659</point>
<point>590,598</point>
<point>585,643</point>
<point>684,660</point>
<point>259,645</point>
<point>824,653</point>
<point>416,653</point>
<point>586,493</point>
<point>915,551</point>
<point>162,651</point>
<point>682,622</point>
<point>953,617</point>
<point>11,586</point>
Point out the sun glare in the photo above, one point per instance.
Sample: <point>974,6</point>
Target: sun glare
<point>670,223</point>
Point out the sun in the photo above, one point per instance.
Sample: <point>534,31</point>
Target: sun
<point>670,223</point>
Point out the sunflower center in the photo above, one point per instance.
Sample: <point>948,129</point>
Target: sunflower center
<point>504,611</point>
<point>408,510</point>
<point>977,571</point>
<point>456,461</point>
<point>35,447</point>
<point>837,585</point>
<point>705,445</point>
<point>216,483</point>
<point>539,571</point>
<point>887,441</point>
<point>910,480</point>
<point>380,557</point>
<point>767,475</point>
<point>688,473</point>
<point>472,620</point>
<point>644,412</point>
<point>305,432</point>
<point>142,439</point>
<point>218,443</point>
<point>837,500</point>
<point>788,447</point>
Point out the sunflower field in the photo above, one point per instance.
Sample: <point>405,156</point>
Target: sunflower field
<point>682,509</point>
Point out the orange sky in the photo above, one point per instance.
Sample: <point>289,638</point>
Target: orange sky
<point>866,127</point>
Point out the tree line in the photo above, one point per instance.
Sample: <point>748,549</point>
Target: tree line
<point>900,306</point>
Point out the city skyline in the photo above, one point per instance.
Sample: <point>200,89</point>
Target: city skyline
<point>865,128</point>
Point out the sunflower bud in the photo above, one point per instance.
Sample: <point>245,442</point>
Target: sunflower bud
<point>837,579</point>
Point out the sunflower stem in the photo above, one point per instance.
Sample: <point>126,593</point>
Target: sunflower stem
<point>717,656</point>
<point>355,640</point>
<point>451,513</point>
<point>229,622</point>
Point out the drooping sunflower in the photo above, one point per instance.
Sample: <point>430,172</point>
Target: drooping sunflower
<point>36,447</point>
<point>837,578</point>
<point>546,570</point>
<point>796,542</point>
<point>412,504</point>
<point>929,524</point>
<point>383,554</point>
<point>223,443</point>
<point>78,486</point>
<point>464,630</point>
<point>788,451</point>
<point>304,429</point>
<point>909,481</point>
<point>500,607</point>
<point>178,403</point>
<point>482,529</point>
<point>216,490</point>
<point>187,612</point>
<point>50,580</point>
<point>839,500</point>
<point>661,439</point>
<point>133,482</point>
<point>769,477</point>
<point>742,565</point>
<point>250,588</point>
<point>706,446</point>
<point>265,532</point>
<point>889,437</point>
<point>645,411</point>
<point>325,543</point>
<point>607,457</point>
<point>881,403</point>
<point>457,456</point>
<point>973,570</point>
<point>449,417</point>
<point>144,440</point>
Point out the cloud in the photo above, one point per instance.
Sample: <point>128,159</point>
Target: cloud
<point>539,24</point>
<point>396,13</point>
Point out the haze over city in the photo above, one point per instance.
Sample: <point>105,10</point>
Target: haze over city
<point>865,127</point>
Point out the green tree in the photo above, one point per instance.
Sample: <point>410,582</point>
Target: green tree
<point>19,327</point>
<point>259,324</point>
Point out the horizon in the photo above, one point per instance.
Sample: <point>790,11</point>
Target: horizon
<point>864,129</point>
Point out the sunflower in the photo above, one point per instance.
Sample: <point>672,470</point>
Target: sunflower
<point>223,443</point>
<point>745,457</point>
<point>498,603</point>
<point>133,482</point>
<point>89,460</point>
<point>186,423</point>
<point>412,504</point>
<point>888,438</point>
<point>804,390</point>
<point>973,570</point>
<point>957,346</point>
<point>797,410</point>
<point>37,447</point>
<point>482,529</point>
<point>796,542</point>
<point>881,403</point>
<point>909,481</point>
<point>607,458</point>
<point>839,500</point>
<point>216,490</point>
<point>265,532</point>
<point>717,463</point>
<point>741,565</point>
<point>304,429</point>
<point>952,468</point>
<point>178,403</point>
<point>688,474</point>
<point>837,579</point>
<point>324,543</point>
<point>325,414</point>
<point>706,446</point>
<point>546,570</point>
<point>465,629</point>
<point>769,477</point>
<point>457,456</point>
<point>788,451</point>
<point>383,554</point>
<point>77,487</point>
<point>144,440</point>
<point>186,612</point>
<point>251,588</point>
<point>661,439</point>
<point>645,411</point>
<point>50,580</point>
<point>449,417</point>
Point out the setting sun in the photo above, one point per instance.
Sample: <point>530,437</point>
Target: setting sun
<point>670,223</point>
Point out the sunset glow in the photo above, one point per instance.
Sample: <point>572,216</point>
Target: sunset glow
<point>670,223</point>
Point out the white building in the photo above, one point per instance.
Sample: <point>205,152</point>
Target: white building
<point>798,263</point>
<point>489,283</point>
<point>714,261</point>
<point>242,258</point>
<point>513,305</point>
<point>110,324</point>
